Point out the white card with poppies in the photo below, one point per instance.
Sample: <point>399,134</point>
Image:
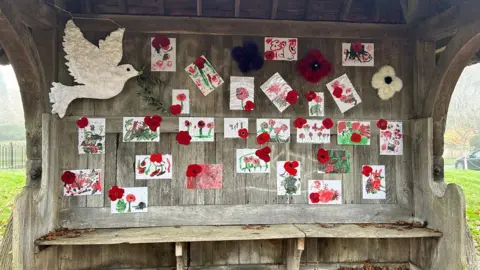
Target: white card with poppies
<point>373,182</point>
<point>391,139</point>
<point>201,129</point>
<point>136,129</point>
<point>313,132</point>
<point>249,162</point>
<point>128,200</point>
<point>343,92</point>
<point>353,133</point>
<point>288,178</point>
<point>163,54</point>
<point>324,192</point>
<point>204,75</point>
<point>154,166</point>
<point>316,104</point>
<point>277,129</point>
<point>285,49</point>
<point>358,54</point>
<point>241,92</point>
<point>235,128</point>
<point>82,182</point>
<point>181,97</point>
<point>276,89</point>
<point>91,135</point>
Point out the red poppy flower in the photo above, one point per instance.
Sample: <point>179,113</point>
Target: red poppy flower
<point>314,66</point>
<point>357,46</point>
<point>327,123</point>
<point>310,95</point>
<point>130,198</point>
<point>115,193</point>
<point>175,109</point>
<point>337,92</point>
<point>295,163</point>
<point>323,156</point>
<point>263,138</point>
<point>269,55</point>
<point>243,133</point>
<point>249,106</point>
<point>68,177</point>
<point>82,122</point>
<point>314,197</point>
<point>160,41</point>
<point>264,153</point>
<point>290,167</point>
<point>367,170</point>
<point>201,124</point>
<point>183,137</point>
<point>382,124</point>
<point>199,62</point>
<point>193,170</point>
<point>292,97</point>
<point>156,157</point>
<point>299,122</point>
<point>153,122</point>
<point>181,97</point>
<point>356,138</point>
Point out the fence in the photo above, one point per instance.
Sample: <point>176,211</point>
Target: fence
<point>12,155</point>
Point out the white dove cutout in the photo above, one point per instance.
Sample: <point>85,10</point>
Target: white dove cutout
<point>95,69</point>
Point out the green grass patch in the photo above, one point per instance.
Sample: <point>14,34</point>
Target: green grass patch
<point>470,183</point>
<point>11,182</point>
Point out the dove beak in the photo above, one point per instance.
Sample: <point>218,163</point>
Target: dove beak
<point>140,72</point>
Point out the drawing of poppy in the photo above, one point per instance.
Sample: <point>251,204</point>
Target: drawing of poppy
<point>130,198</point>
<point>183,137</point>
<point>299,122</point>
<point>269,55</point>
<point>310,96</point>
<point>292,97</point>
<point>241,93</point>
<point>284,127</point>
<point>201,124</point>
<point>318,99</point>
<point>243,133</point>
<point>249,106</point>
<point>314,197</point>
<point>337,92</point>
<point>82,122</point>
<point>357,47</point>
<point>314,66</point>
<point>187,123</point>
<point>327,123</point>
<point>181,97</point>
<point>367,170</point>
<point>382,124</point>
<point>356,138</point>
<point>175,109</point>
<point>323,156</point>
<point>68,177</point>
<point>193,170</point>
<point>263,138</point>
<point>153,122</point>
<point>200,62</point>
<point>210,125</point>
<point>156,157</point>
<point>115,193</point>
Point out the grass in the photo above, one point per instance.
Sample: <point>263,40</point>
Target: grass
<point>470,183</point>
<point>11,182</point>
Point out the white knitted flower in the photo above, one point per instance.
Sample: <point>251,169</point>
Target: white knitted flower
<point>386,82</point>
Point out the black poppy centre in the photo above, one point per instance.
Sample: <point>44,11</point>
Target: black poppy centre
<point>316,65</point>
<point>388,80</point>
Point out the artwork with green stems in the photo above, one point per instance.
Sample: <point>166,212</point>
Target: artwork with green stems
<point>278,129</point>
<point>91,139</point>
<point>249,162</point>
<point>201,129</point>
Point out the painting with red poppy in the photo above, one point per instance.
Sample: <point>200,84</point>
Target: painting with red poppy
<point>204,75</point>
<point>391,139</point>
<point>324,192</point>
<point>91,138</point>
<point>353,133</point>
<point>288,182</point>
<point>231,126</point>
<point>134,200</point>
<point>358,54</point>
<point>248,162</point>
<point>241,91</point>
<point>164,57</point>
<point>313,132</point>
<point>82,182</point>
<point>373,182</point>
<point>285,49</point>
<point>181,97</point>
<point>278,129</point>
<point>343,92</point>
<point>201,129</point>
<point>316,107</point>
<point>155,166</point>
<point>276,89</point>
<point>135,130</point>
<point>338,162</point>
<point>209,177</point>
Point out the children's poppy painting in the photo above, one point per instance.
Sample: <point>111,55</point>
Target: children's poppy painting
<point>277,89</point>
<point>233,127</point>
<point>373,182</point>
<point>81,182</point>
<point>241,91</point>
<point>285,49</point>
<point>358,54</point>
<point>204,176</point>
<point>204,75</point>
<point>201,129</point>
<point>163,54</point>
<point>316,106</point>
<point>91,137</point>
<point>181,97</point>
<point>343,92</point>
<point>391,139</point>
<point>288,178</point>
<point>154,166</point>
<point>353,133</point>
<point>313,132</point>
<point>278,129</point>
<point>335,161</point>
<point>249,162</point>
<point>134,200</point>
<point>324,192</point>
<point>136,130</point>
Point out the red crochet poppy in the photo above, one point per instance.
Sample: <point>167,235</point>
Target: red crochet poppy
<point>243,133</point>
<point>264,153</point>
<point>115,193</point>
<point>263,138</point>
<point>382,124</point>
<point>183,137</point>
<point>156,157</point>
<point>314,197</point>
<point>82,122</point>
<point>68,177</point>
<point>367,170</point>
<point>153,122</point>
<point>314,66</point>
<point>290,167</point>
<point>199,62</point>
<point>175,109</point>
<point>249,106</point>
<point>160,41</point>
<point>337,92</point>
<point>193,170</point>
<point>356,138</point>
<point>269,55</point>
<point>327,123</point>
<point>299,122</point>
<point>323,156</point>
<point>292,97</point>
<point>310,95</point>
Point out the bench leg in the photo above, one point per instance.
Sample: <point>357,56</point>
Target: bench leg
<point>294,252</point>
<point>179,255</point>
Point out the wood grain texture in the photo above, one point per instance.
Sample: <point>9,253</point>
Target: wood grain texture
<point>364,231</point>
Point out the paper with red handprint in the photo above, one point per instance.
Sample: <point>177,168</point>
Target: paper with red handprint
<point>391,139</point>
<point>313,132</point>
<point>278,129</point>
<point>166,58</point>
<point>146,168</point>
<point>343,92</point>
<point>205,78</point>
<point>241,91</point>
<point>202,129</point>
<point>87,182</point>
<point>324,192</point>
<point>210,177</point>
<point>373,185</point>
<point>285,49</point>
<point>276,89</point>
<point>134,200</point>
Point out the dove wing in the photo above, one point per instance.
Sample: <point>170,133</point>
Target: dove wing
<point>111,48</point>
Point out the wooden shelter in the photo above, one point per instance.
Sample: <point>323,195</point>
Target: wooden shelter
<point>245,225</point>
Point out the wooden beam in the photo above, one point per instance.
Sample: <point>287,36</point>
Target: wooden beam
<point>417,10</point>
<point>345,10</point>
<point>124,6</point>
<point>199,8</point>
<point>237,8</point>
<point>161,7</point>
<point>293,253</point>
<point>307,9</point>
<point>179,255</point>
<point>274,9</point>
<point>242,27</point>
<point>87,6</point>
<point>36,15</point>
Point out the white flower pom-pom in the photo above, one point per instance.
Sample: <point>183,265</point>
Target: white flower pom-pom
<point>386,82</point>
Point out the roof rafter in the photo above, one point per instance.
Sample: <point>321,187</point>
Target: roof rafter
<point>274,9</point>
<point>237,8</point>
<point>345,10</point>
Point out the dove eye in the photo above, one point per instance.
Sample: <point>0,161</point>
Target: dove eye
<point>128,69</point>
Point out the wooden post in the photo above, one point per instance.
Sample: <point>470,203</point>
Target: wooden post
<point>179,255</point>
<point>295,248</point>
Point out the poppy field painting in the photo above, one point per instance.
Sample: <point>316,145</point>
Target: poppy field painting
<point>204,75</point>
<point>373,182</point>
<point>278,129</point>
<point>154,166</point>
<point>201,129</point>
<point>136,130</point>
<point>336,161</point>
<point>249,162</point>
<point>204,176</point>
<point>324,192</point>
<point>81,182</point>
<point>91,137</point>
<point>313,132</point>
<point>353,133</point>
<point>134,200</point>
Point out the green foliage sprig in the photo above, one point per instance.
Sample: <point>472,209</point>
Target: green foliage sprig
<point>148,83</point>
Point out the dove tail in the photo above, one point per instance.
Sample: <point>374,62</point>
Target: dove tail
<point>61,96</point>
